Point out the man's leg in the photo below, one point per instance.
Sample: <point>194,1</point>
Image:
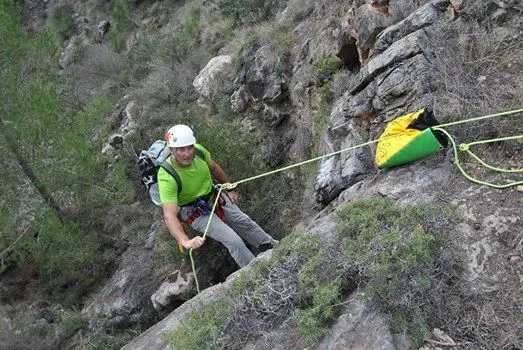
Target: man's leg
<point>219,231</point>
<point>245,226</point>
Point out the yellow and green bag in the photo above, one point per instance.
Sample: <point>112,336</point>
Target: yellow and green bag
<point>409,138</point>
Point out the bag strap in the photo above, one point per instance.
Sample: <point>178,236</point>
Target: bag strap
<point>199,153</point>
<point>171,171</point>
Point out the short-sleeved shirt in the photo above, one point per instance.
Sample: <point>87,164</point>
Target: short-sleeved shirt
<point>196,180</point>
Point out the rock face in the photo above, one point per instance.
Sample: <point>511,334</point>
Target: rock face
<point>391,65</point>
<point>392,75</point>
<point>124,300</point>
<point>359,327</point>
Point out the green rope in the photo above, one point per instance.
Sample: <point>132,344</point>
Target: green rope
<point>224,186</point>
<point>230,186</point>
<point>465,147</point>
<point>458,165</point>
<point>481,118</point>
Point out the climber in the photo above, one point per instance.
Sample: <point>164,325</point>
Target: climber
<point>193,202</point>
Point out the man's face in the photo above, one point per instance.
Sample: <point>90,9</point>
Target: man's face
<point>183,156</point>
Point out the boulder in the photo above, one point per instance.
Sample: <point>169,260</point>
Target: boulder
<point>176,287</point>
<point>368,23</point>
<point>421,18</point>
<point>216,74</point>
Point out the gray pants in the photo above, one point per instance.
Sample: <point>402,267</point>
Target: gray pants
<point>237,225</point>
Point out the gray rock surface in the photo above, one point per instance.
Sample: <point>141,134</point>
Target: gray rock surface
<point>125,299</point>
<point>360,326</point>
<point>214,76</point>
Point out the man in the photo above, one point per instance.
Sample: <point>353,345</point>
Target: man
<point>193,163</point>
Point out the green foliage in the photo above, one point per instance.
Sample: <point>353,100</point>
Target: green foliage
<point>202,329</point>
<point>321,119</point>
<point>63,22</point>
<point>63,255</point>
<point>72,322</point>
<point>393,249</point>
<point>172,49</point>
<point>190,29</point>
<point>121,22</point>
<point>312,322</point>
<point>294,278</point>
<point>249,11</point>
<point>112,340</point>
<point>56,186</point>
<point>325,66</point>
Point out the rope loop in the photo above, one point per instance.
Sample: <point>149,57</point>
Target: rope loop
<point>463,147</point>
<point>228,186</point>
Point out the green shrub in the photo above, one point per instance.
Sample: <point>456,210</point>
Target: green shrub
<point>63,23</point>
<point>121,22</point>
<point>249,11</point>
<point>387,248</point>
<point>57,185</point>
<point>312,322</point>
<point>393,249</point>
<point>325,99</point>
<point>111,340</point>
<point>269,293</point>
<point>202,329</point>
<point>72,322</point>
<point>325,66</point>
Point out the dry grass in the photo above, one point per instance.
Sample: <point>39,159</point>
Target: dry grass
<point>477,73</point>
<point>97,72</point>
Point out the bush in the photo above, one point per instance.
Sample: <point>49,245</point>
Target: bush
<point>389,249</point>
<point>312,322</point>
<point>121,22</point>
<point>267,295</point>
<point>393,250</point>
<point>325,66</point>
<point>55,189</point>
<point>62,20</point>
<point>249,11</point>
<point>111,340</point>
<point>202,329</point>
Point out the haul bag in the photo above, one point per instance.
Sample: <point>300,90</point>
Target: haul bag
<point>407,139</point>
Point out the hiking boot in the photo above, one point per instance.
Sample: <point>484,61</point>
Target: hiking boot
<point>266,246</point>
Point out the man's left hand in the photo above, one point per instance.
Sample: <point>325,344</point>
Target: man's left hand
<point>234,196</point>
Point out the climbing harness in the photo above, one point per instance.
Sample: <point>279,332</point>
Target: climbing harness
<point>463,147</point>
<point>200,207</point>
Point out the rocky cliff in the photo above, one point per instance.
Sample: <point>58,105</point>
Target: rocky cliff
<point>315,78</point>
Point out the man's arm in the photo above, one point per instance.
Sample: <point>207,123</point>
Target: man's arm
<point>170,214</point>
<point>220,175</point>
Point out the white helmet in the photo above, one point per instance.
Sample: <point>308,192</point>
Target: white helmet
<point>179,136</point>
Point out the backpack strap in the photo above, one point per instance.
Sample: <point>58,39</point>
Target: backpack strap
<point>170,170</point>
<point>168,167</point>
<point>199,153</point>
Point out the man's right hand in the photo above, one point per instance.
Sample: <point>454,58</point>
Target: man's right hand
<point>195,242</point>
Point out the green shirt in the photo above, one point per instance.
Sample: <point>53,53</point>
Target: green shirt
<point>196,180</point>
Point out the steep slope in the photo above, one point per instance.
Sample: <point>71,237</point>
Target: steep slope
<point>265,85</point>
